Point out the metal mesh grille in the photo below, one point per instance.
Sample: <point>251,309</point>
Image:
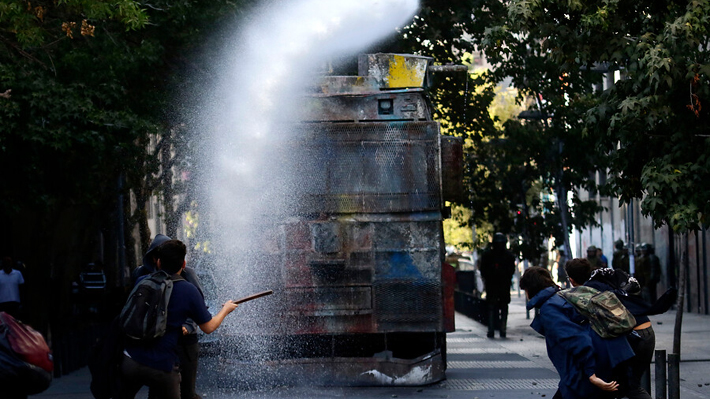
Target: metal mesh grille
<point>408,301</point>
<point>369,167</point>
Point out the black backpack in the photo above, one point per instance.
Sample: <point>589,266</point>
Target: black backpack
<point>145,314</point>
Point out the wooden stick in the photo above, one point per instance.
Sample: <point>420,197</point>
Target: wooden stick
<point>250,297</point>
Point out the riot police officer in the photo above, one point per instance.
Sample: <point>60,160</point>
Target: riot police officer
<point>497,269</point>
<point>620,261</point>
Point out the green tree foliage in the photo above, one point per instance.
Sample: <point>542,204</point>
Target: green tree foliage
<point>655,113</point>
<point>62,114</point>
<point>649,128</point>
<point>30,24</point>
<point>650,125</point>
<point>513,171</point>
<point>92,123</point>
<point>457,231</point>
<point>91,90</point>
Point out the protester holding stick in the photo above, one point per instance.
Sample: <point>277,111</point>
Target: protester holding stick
<point>155,363</point>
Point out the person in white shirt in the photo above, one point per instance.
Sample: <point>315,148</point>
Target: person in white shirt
<point>10,281</point>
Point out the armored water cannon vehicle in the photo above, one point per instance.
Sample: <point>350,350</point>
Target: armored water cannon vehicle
<point>359,261</point>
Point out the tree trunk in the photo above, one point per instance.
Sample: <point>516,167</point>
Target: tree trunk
<point>129,241</point>
<point>171,219</point>
<point>140,216</point>
<point>562,206</point>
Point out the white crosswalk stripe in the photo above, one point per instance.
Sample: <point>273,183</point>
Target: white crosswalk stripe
<point>493,364</point>
<point>498,384</point>
<point>473,351</point>
<point>462,340</point>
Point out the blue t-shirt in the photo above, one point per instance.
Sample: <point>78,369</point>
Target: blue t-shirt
<point>185,302</point>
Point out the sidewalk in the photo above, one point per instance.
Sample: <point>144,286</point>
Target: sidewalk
<point>516,367</point>
<point>694,352</point>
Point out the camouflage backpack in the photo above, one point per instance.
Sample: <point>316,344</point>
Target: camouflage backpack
<point>607,315</point>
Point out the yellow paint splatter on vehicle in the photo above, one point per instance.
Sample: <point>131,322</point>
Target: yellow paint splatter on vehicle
<point>405,72</point>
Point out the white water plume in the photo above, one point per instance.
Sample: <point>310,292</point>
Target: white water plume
<point>273,60</point>
<point>261,89</point>
<point>252,185</point>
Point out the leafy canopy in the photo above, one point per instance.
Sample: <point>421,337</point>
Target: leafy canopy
<point>646,130</point>
<point>650,124</point>
<point>514,167</point>
<point>88,90</point>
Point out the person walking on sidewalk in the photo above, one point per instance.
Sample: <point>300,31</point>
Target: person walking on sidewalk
<point>497,269</point>
<point>584,361</point>
<point>156,363</point>
<point>642,339</point>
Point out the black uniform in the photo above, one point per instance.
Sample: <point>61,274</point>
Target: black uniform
<point>497,269</point>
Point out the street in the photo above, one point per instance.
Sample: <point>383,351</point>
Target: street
<point>478,367</point>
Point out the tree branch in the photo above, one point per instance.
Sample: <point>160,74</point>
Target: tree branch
<point>23,53</point>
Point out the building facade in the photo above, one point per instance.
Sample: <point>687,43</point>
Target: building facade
<point>619,221</point>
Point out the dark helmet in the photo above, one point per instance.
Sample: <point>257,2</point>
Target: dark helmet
<point>619,244</point>
<point>649,248</point>
<point>499,237</point>
<point>592,248</point>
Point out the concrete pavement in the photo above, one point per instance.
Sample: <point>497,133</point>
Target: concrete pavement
<point>478,367</point>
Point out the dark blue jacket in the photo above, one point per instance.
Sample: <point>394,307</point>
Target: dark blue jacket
<point>574,348</point>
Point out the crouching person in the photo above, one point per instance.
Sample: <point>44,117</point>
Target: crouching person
<point>584,361</point>
<point>154,363</point>
<point>642,339</point>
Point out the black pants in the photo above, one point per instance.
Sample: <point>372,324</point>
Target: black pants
<point>165,385</point>
<point>188,355</point>
<point>188,369</point>
<point>497,317</point>
<point>643,345</point>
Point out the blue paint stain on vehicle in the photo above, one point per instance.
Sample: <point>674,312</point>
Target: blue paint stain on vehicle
<point>397,266</point>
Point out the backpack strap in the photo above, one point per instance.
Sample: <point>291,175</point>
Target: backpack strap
<point>173,277</point>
